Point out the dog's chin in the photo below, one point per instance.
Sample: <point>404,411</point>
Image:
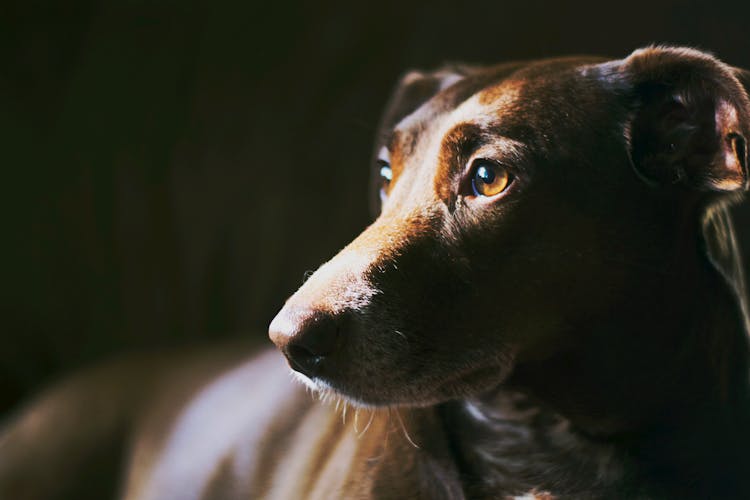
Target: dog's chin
<point>325,391</point>
<point>374,395</point>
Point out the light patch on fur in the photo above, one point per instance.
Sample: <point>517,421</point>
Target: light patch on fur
<point>501,96</point>
<point>206,430</point>
<point>475,412</point>
<point>483,111</point>
<point>724,184</point>
<point>526,448</point>
<point>339,284</point>
<point>304,380</point>
<point>449,79</point>
<point>535,495</point>
<point>730,176</point>
<point>327,393</point>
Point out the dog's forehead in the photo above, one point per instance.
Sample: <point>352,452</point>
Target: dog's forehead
<point>483,108</point>
<point>497,98</point>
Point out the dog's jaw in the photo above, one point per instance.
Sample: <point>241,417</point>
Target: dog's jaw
<point>327,392</point>
<point>371,395</point>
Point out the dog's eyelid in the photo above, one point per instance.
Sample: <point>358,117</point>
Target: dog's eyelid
<point>510,155</point>
<point>504,163</point>
<point>500,149</point>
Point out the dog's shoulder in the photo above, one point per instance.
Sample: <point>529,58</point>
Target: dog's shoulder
<point>209,420</point>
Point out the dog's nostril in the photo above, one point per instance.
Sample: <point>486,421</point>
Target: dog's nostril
<point>302,360</point>
<point>309,340</point>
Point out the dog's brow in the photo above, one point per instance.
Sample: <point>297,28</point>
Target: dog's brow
<point>387,138</point>
<point>460,134</point>
<point>391,140</point>
<point>394,136</point>
<point>453,143</point>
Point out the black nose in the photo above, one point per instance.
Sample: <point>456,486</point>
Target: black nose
<point>307,339</point>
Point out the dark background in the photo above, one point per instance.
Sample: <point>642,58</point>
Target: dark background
<point>171,169</point>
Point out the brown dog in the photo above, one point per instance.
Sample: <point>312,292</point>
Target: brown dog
<point>549,304</point>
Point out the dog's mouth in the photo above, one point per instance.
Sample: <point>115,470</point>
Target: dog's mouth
<point>395,388</point>
<point>326,391</point>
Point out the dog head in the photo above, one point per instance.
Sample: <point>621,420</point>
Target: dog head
<point>519,209</point>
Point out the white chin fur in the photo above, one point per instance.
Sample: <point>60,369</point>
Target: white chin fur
<point>305,380</point>
<point>326,391</point>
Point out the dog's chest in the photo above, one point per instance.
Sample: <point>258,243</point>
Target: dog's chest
<point>511,449</point>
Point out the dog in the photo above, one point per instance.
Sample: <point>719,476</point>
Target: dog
<point>549,304</point>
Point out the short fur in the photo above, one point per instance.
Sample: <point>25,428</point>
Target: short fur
<point>581,335</point>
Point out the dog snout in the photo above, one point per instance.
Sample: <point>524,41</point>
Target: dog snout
<point>307,338</point>
<point>325,317</point>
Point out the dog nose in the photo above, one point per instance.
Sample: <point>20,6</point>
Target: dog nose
<point>306,338</point>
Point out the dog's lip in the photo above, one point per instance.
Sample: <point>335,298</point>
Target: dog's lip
<point>461,383</point>
<point>327,384</point>
<point>323,386</point>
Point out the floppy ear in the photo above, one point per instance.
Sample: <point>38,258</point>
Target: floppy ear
<point>691,119</point>
<point>412,90</point>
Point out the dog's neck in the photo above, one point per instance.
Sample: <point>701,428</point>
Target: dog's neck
<point>679,345</point>
<point>509,445</point>
<point>693,409</point>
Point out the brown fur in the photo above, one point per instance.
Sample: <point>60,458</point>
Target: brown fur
<point>581,335</point>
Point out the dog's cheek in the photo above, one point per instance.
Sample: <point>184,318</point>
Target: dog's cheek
<point>521,286</point>
<point>425,338</point>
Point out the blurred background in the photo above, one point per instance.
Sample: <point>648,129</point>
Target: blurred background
<point>171,169</point>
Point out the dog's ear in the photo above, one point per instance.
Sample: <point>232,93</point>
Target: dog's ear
<point>414,89</point>
<point>691,119</point>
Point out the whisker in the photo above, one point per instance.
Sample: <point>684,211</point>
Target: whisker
<point>372,416</point>
<point>403,336</point>
<point>403,428</point>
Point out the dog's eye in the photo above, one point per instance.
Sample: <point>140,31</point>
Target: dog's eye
<point>386,175</point>
<point>489,178</point>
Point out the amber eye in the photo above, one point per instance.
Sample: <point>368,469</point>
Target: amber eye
<point>489,178</point>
